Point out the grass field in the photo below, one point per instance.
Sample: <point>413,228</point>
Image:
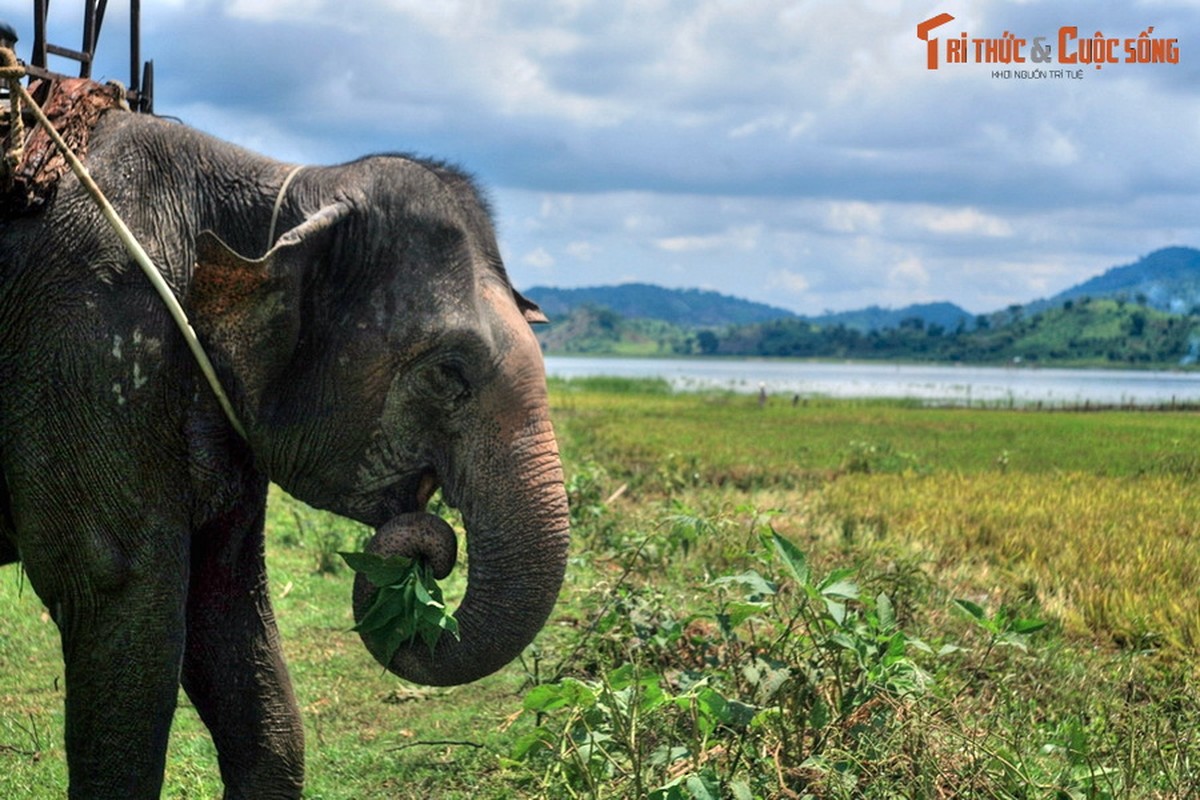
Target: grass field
<point>838,599</point>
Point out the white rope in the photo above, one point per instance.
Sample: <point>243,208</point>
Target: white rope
<point>279,204</point>
<point>139,255</point>
<point>11,70</point>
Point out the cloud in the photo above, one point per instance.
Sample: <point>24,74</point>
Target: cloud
<point>854,217</point>
<point>965,222</point>
<point>583,251</point>
<point>273,10</point>
<point>743,237</point>
<point>539,259</point>
<point>704,142</point>
<point>769,124</point>
<point>909,273</point>
<point>788,281</point>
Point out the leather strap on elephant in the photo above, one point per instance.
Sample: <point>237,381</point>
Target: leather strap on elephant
<point>20,96</point>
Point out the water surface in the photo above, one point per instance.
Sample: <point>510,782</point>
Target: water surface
<point>952,385</point>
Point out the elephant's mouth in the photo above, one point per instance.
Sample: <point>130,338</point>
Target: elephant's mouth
<point>404,527</point>
<point>383,500</point>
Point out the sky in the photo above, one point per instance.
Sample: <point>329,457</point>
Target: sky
<point>800,153</point>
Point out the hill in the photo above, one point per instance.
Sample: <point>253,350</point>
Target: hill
<point>696,308</point>
<point>1145,313</point>
<point>1167,280</point>
<point>1086,332</point>
<point>687,308</point>
<point>601,331</point>
<point>1090,331</point>
<point>873,318</point>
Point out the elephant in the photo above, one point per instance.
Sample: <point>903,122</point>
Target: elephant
<point>362,323</point>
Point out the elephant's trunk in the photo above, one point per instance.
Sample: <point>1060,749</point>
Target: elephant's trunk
<point>515,510</point>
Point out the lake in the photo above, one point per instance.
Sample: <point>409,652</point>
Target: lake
<point>935,384</point>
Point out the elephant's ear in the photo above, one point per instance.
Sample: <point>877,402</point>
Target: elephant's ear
<point>247,311</point>
<point>533,314</point>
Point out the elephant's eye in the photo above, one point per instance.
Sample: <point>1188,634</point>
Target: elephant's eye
<point>445,381</point>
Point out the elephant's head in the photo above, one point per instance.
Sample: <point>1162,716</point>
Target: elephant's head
<point>378,352</point>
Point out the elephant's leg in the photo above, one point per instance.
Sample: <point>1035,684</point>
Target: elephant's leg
<point>8,545</point>
<point>233,669</point>
<point>122,625</point>
<point>122,678</point>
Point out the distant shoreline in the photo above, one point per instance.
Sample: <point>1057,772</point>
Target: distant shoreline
<point>1020,365</point>
<point>939,384</point>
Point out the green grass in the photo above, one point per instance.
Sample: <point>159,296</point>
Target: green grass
<point>728,438</point>
<point>970,603</point>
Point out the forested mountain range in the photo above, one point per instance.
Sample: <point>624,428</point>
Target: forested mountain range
<point>874,318</point>
<point>1167,279</point>
<point>689,308</point>
<point>1147,312</point>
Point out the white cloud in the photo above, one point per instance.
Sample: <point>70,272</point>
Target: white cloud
<point>854,217</point>
<point>1043,145</point>
<point>909,273</point>
<point>637,223</point>
<point>788,281</point>
<point>583,251</point>
<point>688,244</point>
<point>714,142</point>
<point>774,122</point>
<point>539,259</point>
<point>744,237</point>
<point>893,261</point>
<point>272,10</point>
<point>556,205</point>
<point>965,222</point>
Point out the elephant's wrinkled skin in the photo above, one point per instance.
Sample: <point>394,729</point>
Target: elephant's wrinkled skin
<point>376,352</point>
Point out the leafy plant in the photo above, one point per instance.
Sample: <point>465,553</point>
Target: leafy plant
<point>585,491</point>
<point>628,727</point>
<point>406,604</point>
<point>775,672</point>
<point>1003,627</point>
<point>678,471</point>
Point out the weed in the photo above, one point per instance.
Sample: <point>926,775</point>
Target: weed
<point>677,472</point>
<point>586,493</point>
<point>877,457</point>
<point>753,689</point>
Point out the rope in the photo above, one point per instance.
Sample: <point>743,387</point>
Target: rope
<point>132,246</point>
<point>13,71</point>
<point>279,204</point>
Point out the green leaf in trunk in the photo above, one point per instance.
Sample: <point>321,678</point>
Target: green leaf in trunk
<point>407,602</point>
